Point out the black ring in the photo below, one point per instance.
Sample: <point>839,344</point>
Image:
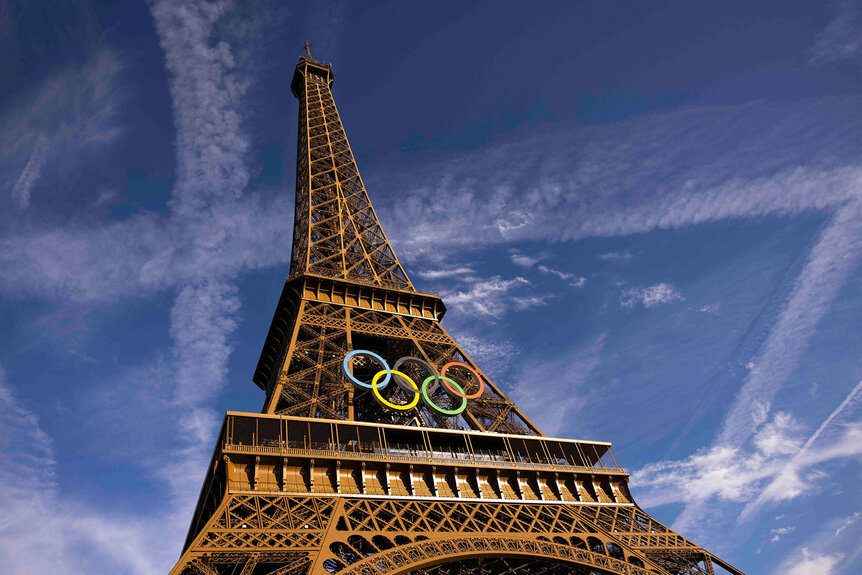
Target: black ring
<point>405,385</point>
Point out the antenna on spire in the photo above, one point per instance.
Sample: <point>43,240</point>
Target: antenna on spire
<point>308,50</point>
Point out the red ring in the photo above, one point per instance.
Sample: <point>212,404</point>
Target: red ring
<point>471,370</point>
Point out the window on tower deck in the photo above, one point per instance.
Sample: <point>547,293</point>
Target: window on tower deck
<point>488,447</point>
<point>297,434</point>
<point>407,443</point>
<point>448,445</point>
<point>269,432</point>
<point>320,436</point>
<point>369,439</point>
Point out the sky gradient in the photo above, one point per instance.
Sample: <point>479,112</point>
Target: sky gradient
<point>645,220</point>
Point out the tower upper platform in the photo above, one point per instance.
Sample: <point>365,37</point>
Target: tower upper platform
<point>308,65</point>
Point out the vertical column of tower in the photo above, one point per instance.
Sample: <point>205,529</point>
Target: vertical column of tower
<point>336,231</point>
<point>299,251</point>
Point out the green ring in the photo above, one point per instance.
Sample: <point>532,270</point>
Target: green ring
<point>430,403</point>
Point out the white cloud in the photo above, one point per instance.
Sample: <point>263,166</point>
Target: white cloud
<point>206,92</point>
<point>211,218</point>
<point>632,178</point>
<point>838,545</point>
<point>526,261</point>
<point>847,522</point>
<point>615,256</point>
<point>626,178</point>
<point>789,482</point>
<point>834,256</point>
<point>42,529</point>
<point>489,298</point>
<point>814,564</point>
<point>841,40</point>
<point>562,275</point>
<point>712,308</point>
<point>658,294</point>
<point>31,172</point>
<point>68,114</point>
<point>778,532</point>
<point>201,322</point>
<point>447,273</point>
<point>527,302</point>
<point>579,282</point>
<point>775,466</point>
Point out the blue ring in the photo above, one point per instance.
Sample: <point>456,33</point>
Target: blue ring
<point>355,381</point>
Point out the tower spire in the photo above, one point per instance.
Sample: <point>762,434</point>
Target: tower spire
<point>307,50</point>
<point>336,230</point>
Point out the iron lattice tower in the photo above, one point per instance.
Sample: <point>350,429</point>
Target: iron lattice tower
<point>331,479</point>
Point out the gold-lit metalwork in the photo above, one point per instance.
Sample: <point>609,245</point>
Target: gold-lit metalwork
<point>327,480</point>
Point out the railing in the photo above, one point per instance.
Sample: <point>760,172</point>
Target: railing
<point>454,458</point>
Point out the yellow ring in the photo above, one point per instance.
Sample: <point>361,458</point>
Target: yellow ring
<point>379,397</point>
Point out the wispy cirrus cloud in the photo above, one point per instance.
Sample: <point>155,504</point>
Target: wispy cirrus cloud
<point>551,271</point>
<point>489,297</point>
<point>654,295</point>
<point>551,393</point>
<point>213,175</point>
<point>67,116</point>
<point>524,260</point>
<point>41,529</point>
<point>211,232</point>
<point>831,550</point>
<point>31,172</point>
<point>779,532</point>
<point>711,308</point>
<point>834,255</point>
<point>656,172</point>
<point>615,256</point>
<point>814,563</point>
<point>206,93</point>
<point>841,40</point>
<point>493,356</point>
<point>788,482</point>
<point>456,272</point>
<point>776,465</point>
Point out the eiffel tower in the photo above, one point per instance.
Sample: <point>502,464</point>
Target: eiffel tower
<point>381,446</point>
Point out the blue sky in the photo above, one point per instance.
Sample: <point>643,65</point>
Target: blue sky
<point>644,219</point>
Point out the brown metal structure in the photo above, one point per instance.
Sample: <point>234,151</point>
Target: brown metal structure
<point>328,480</point>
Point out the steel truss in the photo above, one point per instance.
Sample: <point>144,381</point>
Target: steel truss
<point>307,487</point>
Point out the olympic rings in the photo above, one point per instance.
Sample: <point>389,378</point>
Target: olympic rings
<point>475,373</point>
<point>402,383</point>
<point>407,384</point>
<point>346,367</point>
<point>380,399</point>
